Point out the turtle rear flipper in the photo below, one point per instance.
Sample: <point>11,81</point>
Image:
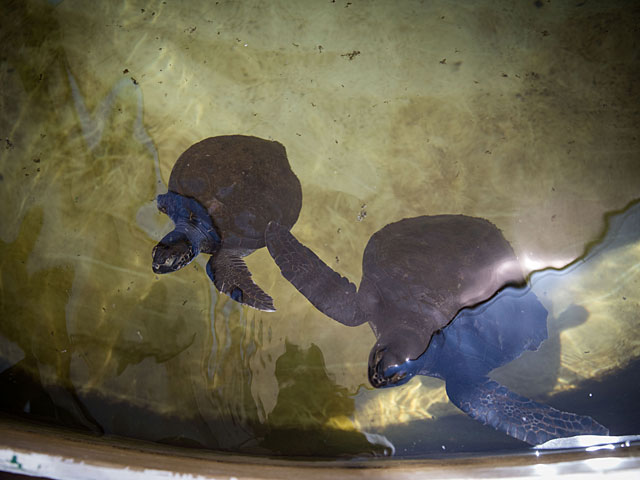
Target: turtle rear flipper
<point>495,405</point>
<point>327,290</point>
<point>230,275</point>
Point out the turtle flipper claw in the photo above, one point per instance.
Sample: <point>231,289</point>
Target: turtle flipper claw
<point>230,275</point>
<point>495,405</point>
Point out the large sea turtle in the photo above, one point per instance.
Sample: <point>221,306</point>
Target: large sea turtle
<point>417,275</point>
<point>223,192</point>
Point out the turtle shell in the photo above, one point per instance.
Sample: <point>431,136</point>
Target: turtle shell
<point>442,263</point>
<point>244,182</point>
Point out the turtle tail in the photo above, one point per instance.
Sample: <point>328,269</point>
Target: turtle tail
<point>494,405</point>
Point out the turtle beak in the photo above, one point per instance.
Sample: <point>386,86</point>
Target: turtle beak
<point>376,375</point>
<point>386,369</point>
<point>169,258</point>
<point>382,375</point>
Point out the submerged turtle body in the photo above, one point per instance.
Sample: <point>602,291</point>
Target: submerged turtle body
<point>223,192</point>
<point>418,275</point>
<point>486,337</point>
<point>243,182</point>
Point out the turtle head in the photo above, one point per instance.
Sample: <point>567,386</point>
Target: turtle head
<point>194,231</point>
<point>173,252</point>
<point>394,359</point>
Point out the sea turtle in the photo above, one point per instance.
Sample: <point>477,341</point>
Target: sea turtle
<point>418,274</point>
<point>223,191</point>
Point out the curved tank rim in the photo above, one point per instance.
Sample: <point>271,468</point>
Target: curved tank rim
<point>30,449</point>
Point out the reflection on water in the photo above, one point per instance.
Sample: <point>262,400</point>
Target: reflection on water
<point>523,116</point>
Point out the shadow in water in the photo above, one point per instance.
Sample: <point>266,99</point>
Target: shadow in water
<point>312,417</point>
<point>40,383</point>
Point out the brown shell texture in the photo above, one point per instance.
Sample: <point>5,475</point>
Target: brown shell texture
<point>244,182</point>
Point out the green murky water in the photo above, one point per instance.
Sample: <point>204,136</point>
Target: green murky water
<point>523,114</point>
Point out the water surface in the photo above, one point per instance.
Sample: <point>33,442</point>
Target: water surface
<point>524,113</point>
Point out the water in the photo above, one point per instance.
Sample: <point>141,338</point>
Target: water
<point>525,115</point>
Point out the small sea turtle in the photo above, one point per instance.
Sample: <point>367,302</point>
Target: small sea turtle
<point>223,192</point>
<point>417,275</point>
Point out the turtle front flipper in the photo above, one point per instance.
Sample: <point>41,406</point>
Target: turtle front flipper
<point>230,275</point>
<point>327,290</point>
<point>495,405</point>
